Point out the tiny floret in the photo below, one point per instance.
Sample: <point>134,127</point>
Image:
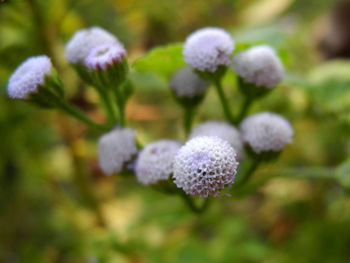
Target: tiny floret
<point>80,45</point>
<point>186,83</point>
<point>265,132</point>
<point>259,65</point>
<point>155,161</point>
<point>104,56</point>
<point>222,130</point>
<point>208,48</point>
<point>204,165</point>
<point>28,76</point>
<point>115,148</point>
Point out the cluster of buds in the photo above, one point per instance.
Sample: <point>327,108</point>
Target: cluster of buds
<point>208,160</point>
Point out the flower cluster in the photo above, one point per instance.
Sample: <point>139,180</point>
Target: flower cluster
<point>208,159</point>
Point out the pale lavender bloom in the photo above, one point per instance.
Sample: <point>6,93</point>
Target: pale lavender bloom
<point>105,55</point>
<point>155,161</point>
<point>204,165</point>
<point>208,48</point>
<point>266,131</point>
<point>28,76</point>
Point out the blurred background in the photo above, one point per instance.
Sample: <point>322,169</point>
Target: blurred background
<point>55,204</point>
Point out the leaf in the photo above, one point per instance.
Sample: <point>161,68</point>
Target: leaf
<point>342,174</point>
<point>164,60</point>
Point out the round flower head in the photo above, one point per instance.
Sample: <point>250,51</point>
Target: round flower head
<point>116,148</point>
<point>28,76</point>
<point>265,132</point>
<point>80,45</point>
<point>155,161</point>
<point>259,65</point>
<point>222,130</point>
<point>105,55</point>
<point>204,165</point>
<point>186,83</point>
<point>208,48</point>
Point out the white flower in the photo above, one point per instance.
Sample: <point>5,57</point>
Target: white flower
<point>116,148</point>
<point>208,48</point>
<point>222,130</point>
<point>259,65</point>
<point>80,45</point>
<point>204,165</point>
<point>155,161</point>
<point>266,131</point>
<point>104,56</point>
<point>186,83</point>
<point>28,76</point>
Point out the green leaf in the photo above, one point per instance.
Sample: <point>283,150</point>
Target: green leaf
<point>163,61</point>
<point>342,174</point>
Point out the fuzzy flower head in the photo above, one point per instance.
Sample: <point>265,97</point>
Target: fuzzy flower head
<point>115,148</point>
<point>80,45</point>
<point>208,48</point>
<point>28,76</point>
<point>204,165</point>
<point>186,83</point>
<point>265,132</point>
<point>221,129</point>
<point>155,161</point>
<point>260,66</point>
<point>104,56</point>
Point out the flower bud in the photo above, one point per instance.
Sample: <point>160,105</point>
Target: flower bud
<point>155,161</point>
<point>204,165</point>
<point>220,129</point>
<point>208,48</point>
<point>259,69</point>
<point>115,149</point>
<point>266,134</point>
<point>37,81</point>
<point>107,65</point>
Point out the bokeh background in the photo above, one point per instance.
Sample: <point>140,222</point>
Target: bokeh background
<point>55,204</point>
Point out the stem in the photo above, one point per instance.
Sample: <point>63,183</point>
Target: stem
<point>108,105</point>
<point>76,113</point>
<point>121,106</point>
<point>254,165</point>
<point>223,100</point>
<point>247,103</point>
<point>189,201</point>
<point>188,119</point>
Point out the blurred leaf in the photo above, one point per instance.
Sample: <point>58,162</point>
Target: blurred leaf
<point>164,60</point>
<point>343,174</point>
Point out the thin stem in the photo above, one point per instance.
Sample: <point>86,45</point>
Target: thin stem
<point>108,105</point>
<point>188,119</point>
<point>254,165</point>
<point>246,105</point>
<point>121,105</point>
<point>190,203</point>
<point>76,113</point>
<point>223,100</point>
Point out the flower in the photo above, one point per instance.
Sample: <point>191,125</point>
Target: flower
<point>221,129</point>
<point>155,161</point>
<point>29,76</point>
<point>80,45</point>
<point>104,56</point>
<point>266,131</point>
<point>115,148</point>
<point>260,66</point>
<point>204,165</point>
<point>186,83</point>
<point>208,48</point>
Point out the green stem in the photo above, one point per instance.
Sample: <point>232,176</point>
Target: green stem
<point>223,100</point>
<point>121,105</point>
<point>109,107</point>
<point>190,203</point>
<point>254,165</point>
<point>78,114</point>
<point>246,105</point>
<point>188,119</point>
